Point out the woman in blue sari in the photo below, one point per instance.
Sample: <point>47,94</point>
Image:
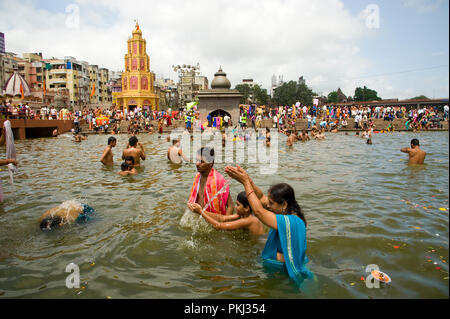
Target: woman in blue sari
<point>286,245</point>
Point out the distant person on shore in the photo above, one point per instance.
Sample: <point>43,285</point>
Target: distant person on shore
<point>416,155</point>
<point>107,156</point>
<point>244,219</point>
<point>175,154</point>
<point>67,213</point>
<point>134,150</point>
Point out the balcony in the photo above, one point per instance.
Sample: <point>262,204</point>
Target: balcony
<point>58,71</point>
<point>57,80</point>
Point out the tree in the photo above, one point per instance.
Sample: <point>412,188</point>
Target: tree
<point>304,94</point>
<point>365,94</point>
<point>260,96</point>
<point>286,93</point>
<point>245,90</point>
<point>332,97</point>
<point>420,97</point>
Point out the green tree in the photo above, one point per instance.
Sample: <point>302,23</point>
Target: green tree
<point>245,90</point>
<point>365,94</point>
<point>260,96</point>
<point>291,92</point>
<point>304,95</point>
<point>420,97</point>
<point>332,97</point>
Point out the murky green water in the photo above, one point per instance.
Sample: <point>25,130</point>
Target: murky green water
<point>360,201</point>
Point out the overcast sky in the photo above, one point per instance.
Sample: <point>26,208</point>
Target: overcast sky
<point>399,48</point>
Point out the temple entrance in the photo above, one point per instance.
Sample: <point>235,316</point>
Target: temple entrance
<point>219,113</point>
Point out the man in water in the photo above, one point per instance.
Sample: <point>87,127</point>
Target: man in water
<point>66,213</point>
<point>55,132</point>
<point>304,136</point>
<point>416,155</point>
<point>207,184</point>
<point>175,154</point>
<point>135,151</point>
<point>291,139</point>
<point>107,157</point>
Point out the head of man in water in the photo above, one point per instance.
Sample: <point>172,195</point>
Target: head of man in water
<point>133,141</point>
<point>112,141</point>
<point>175,141</point>
<point>129,160</point>
<point>205,159</point>
<point>414,143</point>
<point>50,222</point>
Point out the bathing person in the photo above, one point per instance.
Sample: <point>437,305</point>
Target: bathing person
<point>66,213</point>
<point>291,139</point>
<point>369,141</point>
<point>416,155</point>
<point>107,156</point>
<point>129,160</point>
<point>175,154</point>
<point>304,136</point>
<point>77,138</point>
<point>244,219</point>
<point>286,245</point>
<point>268,141</point>
<point>55,132</point>
<point>135,151</point>
<point>207,183</point>
<point>126,169</point>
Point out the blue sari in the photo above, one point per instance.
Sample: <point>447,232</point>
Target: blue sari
<point>290,240</point>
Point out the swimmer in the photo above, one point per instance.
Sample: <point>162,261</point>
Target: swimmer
<point>55,132</point>
<point>320,136</point>
<point>416,155</point>
<point>77,138</point>
<point>175,154</point>
<point>304,136</point>
<point>127,170</point>
<point>84,137</point>
<point>129,160</point>
<point>290,139</point>
<point>66,213</point>
<point>369,141</point>
<point>268,141</point>
<point>244,219</point>
<point>107,156</point>
<point>134,150</point>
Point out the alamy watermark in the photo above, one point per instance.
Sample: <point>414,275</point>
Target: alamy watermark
<point>73,16</point>
<point>371,16</point>
<point>73,280</point>
<point>240,146</point>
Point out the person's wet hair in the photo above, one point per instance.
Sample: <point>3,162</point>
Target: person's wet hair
<point>124,166</point>
<point>130,158</point>
<point>133,141</point>
<point>242,198</point>
<point>174,141</point>
<point>283,192</point>
<point>415,142</point>
<point>207,154</point>
<point>50,222</point>
<point>111,140</point>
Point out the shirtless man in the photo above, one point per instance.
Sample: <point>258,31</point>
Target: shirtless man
<point>175,154</point>
<point>204,164</point>
<point>55,132</point>
<point>416,155</point>
<point>291,139</point>
<point>134,150</point>
<point>77,138</point>
<point>66,213</point>
<point>304,136</point>
<point>320,135</point>
<point>107,157</point>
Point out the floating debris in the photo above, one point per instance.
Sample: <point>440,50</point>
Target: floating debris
<point>381,276</point>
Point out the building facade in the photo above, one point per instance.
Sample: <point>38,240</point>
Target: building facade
<point>137,81</point>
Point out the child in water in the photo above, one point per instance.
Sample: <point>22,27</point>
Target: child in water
<point>244,219</point>
<point>127,169</point>
<point>66,213</point>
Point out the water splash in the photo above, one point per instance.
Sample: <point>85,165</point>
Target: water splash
<point>223,189</point>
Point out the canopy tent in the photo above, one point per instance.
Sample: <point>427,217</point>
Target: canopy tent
<point>16,85</point>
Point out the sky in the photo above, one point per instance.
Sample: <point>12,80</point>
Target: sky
<point>399,48</point>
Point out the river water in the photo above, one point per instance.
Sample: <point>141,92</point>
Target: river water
<point>363,205</point>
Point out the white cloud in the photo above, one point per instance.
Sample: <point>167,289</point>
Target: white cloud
<point>249,39</point>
